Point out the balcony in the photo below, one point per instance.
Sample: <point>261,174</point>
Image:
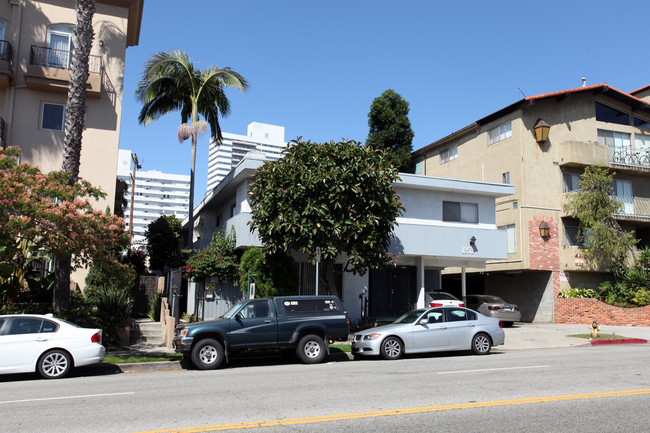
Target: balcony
<point>582,153</point>
<point>6,55</point>
<point>49,69</point>
<point>634,208</point>
<point>627,159</point>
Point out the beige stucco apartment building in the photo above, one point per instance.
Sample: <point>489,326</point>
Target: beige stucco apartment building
<point>588,125</point>
<point>35,45</point>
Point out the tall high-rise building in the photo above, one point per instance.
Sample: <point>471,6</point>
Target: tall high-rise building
<point>261,138</point>
<point>156,194</point>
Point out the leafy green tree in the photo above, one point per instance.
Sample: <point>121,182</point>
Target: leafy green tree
<point>219,259</point>
<point>390,129</point>
<point>272,274</point>
<point>163,237</point>
<point>335,196</point>
<point>56,217</point>
<point>171,82</point>
<point>605,243</point>
<point>75,121</point>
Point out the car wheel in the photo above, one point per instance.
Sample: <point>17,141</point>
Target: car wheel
<point>311,349</point>
<point>207,354</point>
<point>391,348</point>
<point>54,364</point>
<point>481,344</point>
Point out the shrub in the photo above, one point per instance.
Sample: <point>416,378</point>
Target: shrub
<point>642,297</point>
<point>114,307</point>
<point>578,293</point>
<point>154,309</point>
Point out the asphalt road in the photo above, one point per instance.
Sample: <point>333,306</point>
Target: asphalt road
<point>584,388</point>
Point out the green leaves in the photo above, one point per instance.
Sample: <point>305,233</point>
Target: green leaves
<point>338,196</point>
<point>605,242</point>
<point>218,259</point>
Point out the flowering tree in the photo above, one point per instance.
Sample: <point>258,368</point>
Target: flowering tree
<point>55,216</point>
<point>218,259</point>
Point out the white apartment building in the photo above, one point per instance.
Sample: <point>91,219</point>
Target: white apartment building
<point>261,137</point>
<point>156,194</point>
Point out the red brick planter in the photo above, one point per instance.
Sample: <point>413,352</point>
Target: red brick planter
<point>585,311</point>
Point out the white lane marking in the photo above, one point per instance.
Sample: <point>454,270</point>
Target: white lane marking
<point>491,369</point>
<point>67,397</point>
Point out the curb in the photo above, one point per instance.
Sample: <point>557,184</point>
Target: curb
<point>619,341</point>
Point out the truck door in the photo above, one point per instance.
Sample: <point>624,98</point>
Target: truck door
<point>254,326</point>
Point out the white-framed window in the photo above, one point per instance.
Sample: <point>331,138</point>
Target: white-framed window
<point>52,116</point>
<point>511,233</point>
<point>460,212</point>
<point>505,177</point>
<point>419,167</point>
<point>500,132</point>
<point>448,154</point>
<point>59,42</point>
<point>642,143</point>
<point>616,141</point>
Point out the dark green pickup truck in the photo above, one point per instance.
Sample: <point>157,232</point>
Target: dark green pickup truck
<point>304,324</point>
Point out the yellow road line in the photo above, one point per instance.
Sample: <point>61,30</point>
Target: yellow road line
<point>392,412</point>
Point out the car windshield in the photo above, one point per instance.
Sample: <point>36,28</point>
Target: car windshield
<point>494,300</point>
<point>409,317</point>
<point>228,314</point>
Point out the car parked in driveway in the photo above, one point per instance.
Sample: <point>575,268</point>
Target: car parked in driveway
<point>44,344</point>
<point>442,299</point>
<point>494,306</point>
<point>430,330</point>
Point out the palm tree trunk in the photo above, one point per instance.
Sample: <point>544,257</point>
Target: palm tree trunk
<point>75,119</point>
<point>190,217</point>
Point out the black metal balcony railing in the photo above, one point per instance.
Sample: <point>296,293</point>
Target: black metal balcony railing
<point>5,51</point>
<point>627,156</point>
<point>60,59</point>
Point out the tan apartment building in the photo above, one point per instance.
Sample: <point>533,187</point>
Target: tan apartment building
<point>35,53</point>
<point>587,125</point>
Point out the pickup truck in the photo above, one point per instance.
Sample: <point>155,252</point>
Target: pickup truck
<point>304,324</point>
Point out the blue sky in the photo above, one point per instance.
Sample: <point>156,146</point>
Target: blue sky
<point>314,67</point>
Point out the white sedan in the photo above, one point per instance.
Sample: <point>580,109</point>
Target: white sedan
<point>430,330</point>
<point>41,343</point>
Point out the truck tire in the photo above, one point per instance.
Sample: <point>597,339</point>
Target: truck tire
<point>207,354</point>
<point>311,349</point>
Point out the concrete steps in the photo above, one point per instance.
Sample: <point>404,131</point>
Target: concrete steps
<point>146,331</point>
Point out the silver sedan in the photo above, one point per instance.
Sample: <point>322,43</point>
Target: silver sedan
<point>430,330</point>
<point>493,306</point>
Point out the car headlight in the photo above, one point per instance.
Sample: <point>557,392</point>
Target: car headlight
<point>181,332</point>
<point>371,336</point>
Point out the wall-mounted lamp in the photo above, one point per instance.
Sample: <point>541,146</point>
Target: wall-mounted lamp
<point>544,230</point>
<point>541,131</point>
<point>472,241</point>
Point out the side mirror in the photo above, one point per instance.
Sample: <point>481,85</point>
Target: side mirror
<point>424,321</point>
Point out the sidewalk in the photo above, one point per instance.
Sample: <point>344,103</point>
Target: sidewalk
<point>518,337</point>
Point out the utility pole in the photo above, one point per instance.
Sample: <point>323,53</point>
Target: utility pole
<point>136,166</point>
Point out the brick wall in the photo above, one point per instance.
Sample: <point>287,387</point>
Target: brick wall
<point>585,311</point>
<point>544,253</point>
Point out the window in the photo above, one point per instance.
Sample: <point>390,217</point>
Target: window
<point>505,177</point>
<point>53,117</point>
<point>641,123</point>
<point>611,115</point>
<point>642,143</point>
<point>448,154</point>
<point>461,212</point>
<point>499,133</point>
<point>309,305</point>
<point>572,236</point>
<point>27,325</point>
<point>59,42</point>
<point>511,232</point>
<point>458,315</point>
<point>419,166</point>
<point>623,191</point>
<point>571,182</point>
<point>233,209</point>
<point>616,141</point>
<point>256,310</point>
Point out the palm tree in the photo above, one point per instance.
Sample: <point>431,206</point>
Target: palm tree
<point>170,82</point>
<point>75,116</point>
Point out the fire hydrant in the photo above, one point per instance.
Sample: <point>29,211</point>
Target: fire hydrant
<point>594,330</point>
